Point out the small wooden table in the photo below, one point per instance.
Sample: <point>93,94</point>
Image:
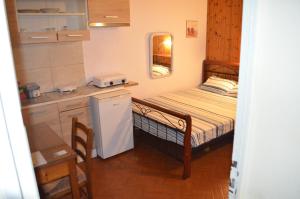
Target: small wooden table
<point>61,159</point>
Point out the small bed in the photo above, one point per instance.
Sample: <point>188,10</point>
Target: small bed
<point>190,118</point>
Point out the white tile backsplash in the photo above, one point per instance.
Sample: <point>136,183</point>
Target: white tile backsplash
<point>68,75</point>
<point>68,53</point>
<point>50,65</point>
<point>32,56</point>
<point>42,77</point>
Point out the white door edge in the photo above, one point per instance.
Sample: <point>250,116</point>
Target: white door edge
<point>17,148</point>
<point>244,97</point>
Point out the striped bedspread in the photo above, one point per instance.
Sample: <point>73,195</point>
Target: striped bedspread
<point>212,115</point>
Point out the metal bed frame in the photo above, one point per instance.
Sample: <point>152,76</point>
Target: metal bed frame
<point>184,123</point>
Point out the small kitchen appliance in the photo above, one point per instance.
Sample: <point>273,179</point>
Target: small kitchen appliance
<point>32,90</point>
<point>109,80</point>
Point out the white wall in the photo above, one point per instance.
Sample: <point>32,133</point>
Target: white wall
<point>270,167</point>
<point>125,49</point>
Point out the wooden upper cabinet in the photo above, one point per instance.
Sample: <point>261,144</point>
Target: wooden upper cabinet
<point>73,35</point>
<point>109,13</point>
<point>37,37</point>
<point>47,21</point>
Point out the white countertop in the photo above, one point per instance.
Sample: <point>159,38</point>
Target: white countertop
<point>81,92</point>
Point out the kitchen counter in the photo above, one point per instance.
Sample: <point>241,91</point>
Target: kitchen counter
<point>80,92</point>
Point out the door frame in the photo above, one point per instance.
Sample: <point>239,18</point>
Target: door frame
<point>16,167</point>
<point>244,102</point>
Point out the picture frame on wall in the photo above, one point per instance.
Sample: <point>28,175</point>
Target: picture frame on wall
<point>191,28</point>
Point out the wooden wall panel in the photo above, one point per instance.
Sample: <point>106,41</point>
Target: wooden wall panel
<point>224,21</point>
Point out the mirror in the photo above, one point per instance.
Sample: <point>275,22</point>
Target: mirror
<point>161,51</point>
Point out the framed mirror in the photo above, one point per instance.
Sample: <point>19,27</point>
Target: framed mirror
<point>161,55</point>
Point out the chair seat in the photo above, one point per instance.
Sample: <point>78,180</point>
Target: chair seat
<point>62,186</point>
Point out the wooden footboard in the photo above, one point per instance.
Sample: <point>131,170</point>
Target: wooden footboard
<point>184,121</point>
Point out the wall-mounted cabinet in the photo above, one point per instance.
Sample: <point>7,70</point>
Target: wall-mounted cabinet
<point>109,13</point>
<point>44,21</point>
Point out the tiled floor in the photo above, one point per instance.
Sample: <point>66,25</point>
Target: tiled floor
<point>145,173</point>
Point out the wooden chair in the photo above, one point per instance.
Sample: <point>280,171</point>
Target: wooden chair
<point>83,148</point>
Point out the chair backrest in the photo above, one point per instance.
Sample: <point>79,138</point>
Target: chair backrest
<point>82,144</point>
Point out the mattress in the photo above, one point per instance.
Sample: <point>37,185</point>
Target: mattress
<point>212,115</point>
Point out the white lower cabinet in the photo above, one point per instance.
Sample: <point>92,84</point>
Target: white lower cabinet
<point>48,114</point>
<point>83,115</point>
<point>59,116</point>
<point>112,121</point>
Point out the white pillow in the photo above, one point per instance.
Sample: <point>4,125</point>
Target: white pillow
<point>220,86</point>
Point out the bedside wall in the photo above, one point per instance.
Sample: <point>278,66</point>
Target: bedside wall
<point>126,49</point>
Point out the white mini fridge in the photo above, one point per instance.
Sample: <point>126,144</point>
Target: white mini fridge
<point>112,123</point>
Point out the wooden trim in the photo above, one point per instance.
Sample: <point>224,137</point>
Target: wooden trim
<point>187,151</point>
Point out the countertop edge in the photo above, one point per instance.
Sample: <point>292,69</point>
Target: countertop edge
<point>106,90</point>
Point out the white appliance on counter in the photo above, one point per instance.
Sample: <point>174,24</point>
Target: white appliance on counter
<point>112,122</point>
<point>109,80</point>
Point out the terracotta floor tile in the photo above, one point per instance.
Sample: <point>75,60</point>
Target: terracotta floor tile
<point>146,173</point>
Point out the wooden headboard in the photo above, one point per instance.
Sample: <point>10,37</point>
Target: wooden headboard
<point>225,70</point>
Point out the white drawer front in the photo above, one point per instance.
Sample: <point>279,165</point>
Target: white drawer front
<point>83,115</point>
<point>44,114</point>
<point>72,104</point>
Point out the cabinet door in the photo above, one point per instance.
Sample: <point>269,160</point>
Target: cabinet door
<point>43,114</point>
<point>83,115</point>
<point>37,37</point>
<point>73,35</point>
<point>116,125</point>
<point>109,12</point>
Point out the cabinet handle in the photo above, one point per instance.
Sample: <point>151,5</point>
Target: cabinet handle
<point>71,35</point>
<point>39,37</point>
<point>111,16</point>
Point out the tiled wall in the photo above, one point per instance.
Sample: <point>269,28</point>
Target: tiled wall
<point>50,65</point>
